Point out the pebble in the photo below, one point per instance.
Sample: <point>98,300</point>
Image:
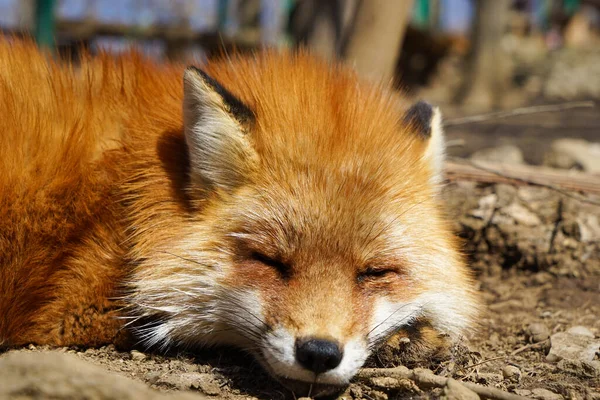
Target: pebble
<point>511,373</point>
<point>356,392</point>
<point>572,346</point>
<point>377,395</point>
<point>490,378</point>
<point>545,394</point>
<point>152,377</point>
<point>522,215</point>
<point>538,332</point>
<point>494,339</point>
<point>541,278</point>
<point>137,355</point>
<point>455,391</point>
<point>583,369</point>
<point>53,375</point>
<point>207,384</point>
<point>580,330</point>
<point>569,153</point>
<point>506,154</point>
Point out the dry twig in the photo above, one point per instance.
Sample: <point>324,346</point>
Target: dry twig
<point>519,111</point>
<point>425,380</point>
<point>529,346</point>
<point>484,362</point>
<point>563,182</point>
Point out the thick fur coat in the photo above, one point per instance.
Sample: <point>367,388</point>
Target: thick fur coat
<point>259,201</point>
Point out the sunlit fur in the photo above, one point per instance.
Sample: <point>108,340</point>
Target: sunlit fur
<point>106,212</point>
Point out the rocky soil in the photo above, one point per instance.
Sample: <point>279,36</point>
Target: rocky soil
<point>537,257</point>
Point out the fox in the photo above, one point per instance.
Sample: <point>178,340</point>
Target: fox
<point>274,202</point>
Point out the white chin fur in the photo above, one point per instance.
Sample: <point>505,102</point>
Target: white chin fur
<point>389,317</point>
<point>445,311</point>
<point>278,352</point>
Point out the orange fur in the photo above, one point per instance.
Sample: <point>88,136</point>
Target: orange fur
<point>67,135</point>
<point>99,208</point>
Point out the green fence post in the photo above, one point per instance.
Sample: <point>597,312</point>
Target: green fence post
<point>223,8</point>
<point>571,6</point>
<point>421,13</point>
<point>45,23</point>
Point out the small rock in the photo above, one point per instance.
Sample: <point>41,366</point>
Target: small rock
<point>580,330</point>
<point>522,215</point>
<point>537,332</point>
<point>500,154</point>
<point>545,394</point>
<point>62,376</point>
<point>489,378</point>
<point>356,391</point>
<point>494,339</point>
<point>578,153</point>
<point>152,377</point>
<point>137,355</point>
<point>455,391</point>
<point>584,369</point>
<point>511,373</point>
<point>486,207</point>
<point>572,346</point>
<point>207,384</point>
<point>541,278</point>
<point>377,395</point>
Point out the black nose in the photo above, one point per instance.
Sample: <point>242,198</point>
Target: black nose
<point>318,355</point>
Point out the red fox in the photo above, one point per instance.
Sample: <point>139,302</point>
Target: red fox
<point>273,202</point>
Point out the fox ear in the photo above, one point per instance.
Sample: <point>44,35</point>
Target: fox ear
<point>215,123</point>
<point>426,121</point>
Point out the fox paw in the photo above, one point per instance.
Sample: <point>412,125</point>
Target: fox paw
<point>418,345</point>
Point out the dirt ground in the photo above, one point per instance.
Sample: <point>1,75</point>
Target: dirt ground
<point>504,339</point>
<point>531,293</point>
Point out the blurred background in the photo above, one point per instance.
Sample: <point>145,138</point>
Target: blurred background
<point>469,56</point>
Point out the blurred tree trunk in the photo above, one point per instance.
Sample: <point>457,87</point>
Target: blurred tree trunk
<point>322,25</point>
<point>366,33</point>
<point>486,75</point>
<point>373,44</point>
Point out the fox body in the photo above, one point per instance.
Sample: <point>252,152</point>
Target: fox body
<point>273,202</point>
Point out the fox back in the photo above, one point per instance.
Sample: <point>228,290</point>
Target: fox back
<point>273,202</point>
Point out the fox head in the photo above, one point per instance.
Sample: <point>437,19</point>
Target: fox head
<point>315,230</point>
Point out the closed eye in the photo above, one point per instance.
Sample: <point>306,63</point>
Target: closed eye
<point>376,274</point>
<point>282,268</point>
